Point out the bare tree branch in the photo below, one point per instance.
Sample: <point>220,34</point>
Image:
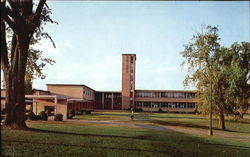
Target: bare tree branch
<point>36,20</point>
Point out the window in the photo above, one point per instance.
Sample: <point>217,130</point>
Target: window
<point>157,95</point>
<point>131,68</point>
<point>181,95</point>
<point>147,104</point>
<point>138,104</point>
<point>142,94</point>
<point>171,95</point>
<point>162,104</point>
<point>174,105</point>
<point>163,94</point>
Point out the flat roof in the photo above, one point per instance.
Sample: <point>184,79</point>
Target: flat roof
<point>59,97</point>
<point>109,91</point>
<point>129,54</point>
<point>153,90</point>
<point>82,85</point>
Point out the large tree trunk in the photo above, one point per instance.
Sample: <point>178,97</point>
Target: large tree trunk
<point>222,121</point>
<point>15,103</point>
<point>15,90</point>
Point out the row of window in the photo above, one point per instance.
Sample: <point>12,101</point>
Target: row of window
<point>88,92</point>
<point>164,95</point>
<point>165,104</point>
<point>115,96</point>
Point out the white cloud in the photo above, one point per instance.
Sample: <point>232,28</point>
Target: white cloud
<point>48,49</point>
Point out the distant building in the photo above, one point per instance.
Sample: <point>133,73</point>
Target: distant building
<point>60,98</point>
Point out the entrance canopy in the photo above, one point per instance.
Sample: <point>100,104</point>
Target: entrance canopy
<point>54,98</point>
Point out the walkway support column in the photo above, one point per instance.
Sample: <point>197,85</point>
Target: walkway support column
<point>55,101</point>
<point>102,100</point>
<point>112,101</point>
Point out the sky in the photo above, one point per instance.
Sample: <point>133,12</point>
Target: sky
<point>91,36</point>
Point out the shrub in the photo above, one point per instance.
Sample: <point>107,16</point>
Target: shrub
<point>31,116</point>
<point>78,113</point>
<point>38,117</point>
<point>138,110</point>
<point>58,117</point>
<point>127,109</point>
<point>71,114</point>
<point>43,115</point>
<point>160,110</point>
<point>86,112</point>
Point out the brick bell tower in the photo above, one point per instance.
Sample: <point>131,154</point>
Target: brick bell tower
<point>128,80</point>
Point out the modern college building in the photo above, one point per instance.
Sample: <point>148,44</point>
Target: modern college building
<point>60,98</point>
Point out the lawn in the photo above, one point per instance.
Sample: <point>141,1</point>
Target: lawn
<point>89,139</point>
<point>185,120</point>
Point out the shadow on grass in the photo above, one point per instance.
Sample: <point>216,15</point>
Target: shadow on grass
<point>229,146</point>
<point>94,147</point>
<point>171,117</point>
<point>182,124</point>
<point>80,134</point>
<point>240,121</point>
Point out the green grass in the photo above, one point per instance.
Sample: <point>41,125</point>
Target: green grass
<point>98,140</point>
<point>185,120</point>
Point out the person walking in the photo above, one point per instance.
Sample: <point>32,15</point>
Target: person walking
<point>132,113</point>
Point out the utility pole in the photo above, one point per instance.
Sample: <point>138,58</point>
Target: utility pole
<point>211,100</point>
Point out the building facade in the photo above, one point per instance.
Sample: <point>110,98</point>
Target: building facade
<point>60,98</point>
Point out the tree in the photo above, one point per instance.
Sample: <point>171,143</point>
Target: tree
<point>240,68</point>
<point>35,65</point>
<point>223,68</point>
<point>26,23</point>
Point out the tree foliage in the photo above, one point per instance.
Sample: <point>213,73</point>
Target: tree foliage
<point>226,69</point>
<point>35,65</point>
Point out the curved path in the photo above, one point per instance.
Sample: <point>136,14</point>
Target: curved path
<point>169,128</point>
